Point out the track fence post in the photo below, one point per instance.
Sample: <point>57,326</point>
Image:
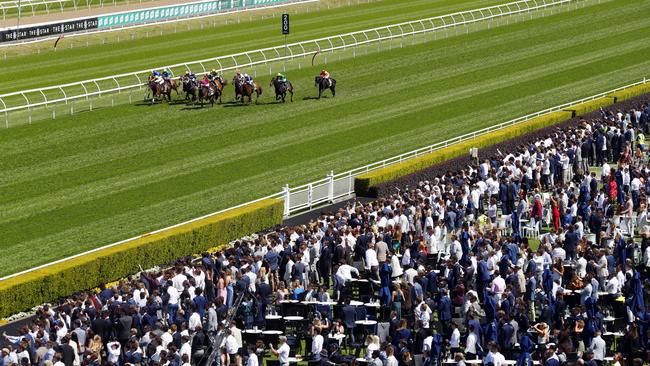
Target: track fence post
<point>287,200</point>
<point>330,186</point>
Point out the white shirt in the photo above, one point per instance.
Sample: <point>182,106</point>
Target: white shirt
<point>345,272</point>
<point>598,346</point>
<point>186,349</point>
<point>231,345</point>
<point>371,258</point>
<point>454,342</point>
<point>470,344</point>
<point>283,354</point>
<point>173,295</point>
<point>317,344</point>
<point>252,360</point>
<point>113,354</point>
<point>195,320</point>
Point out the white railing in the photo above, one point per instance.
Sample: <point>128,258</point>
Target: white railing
<point>33,7</point>
<point>339,186</point>
<point>83,90</point>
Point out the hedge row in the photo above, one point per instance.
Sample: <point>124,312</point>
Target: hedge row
<point>50,283</point>
<point>586,107</point>
<point>628,93</point>
<point>363,184</point>
<point>461,162</point>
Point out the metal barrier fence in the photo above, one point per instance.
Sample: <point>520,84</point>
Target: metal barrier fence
<point>84,90</point>
<point>340,186</point>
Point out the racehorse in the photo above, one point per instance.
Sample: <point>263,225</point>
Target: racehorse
<point>207,93</point>
<point>246,90</point>
<point>324,84</point>
<point>162,90</point>
<point>281,88</point>
<point>190,88</point>
<point>218,84</point>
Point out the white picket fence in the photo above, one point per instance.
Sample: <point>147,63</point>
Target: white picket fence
<point>84,90</point>
<point>341,186</point>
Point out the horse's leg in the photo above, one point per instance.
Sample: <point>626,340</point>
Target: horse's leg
<point>333,91</point>
<point>291,91</point>
<point>320,92</point>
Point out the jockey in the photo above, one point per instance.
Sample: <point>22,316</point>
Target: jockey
<point>248,79</point>
<point>281,77</point>
<point>166,74</point>
<point>190,75</point>
<point>156,77</point>
<point>324,74</point>
<point>206,80</point>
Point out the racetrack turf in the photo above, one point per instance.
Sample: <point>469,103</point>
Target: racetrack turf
<point>78,182</point>
<point>82,63</point>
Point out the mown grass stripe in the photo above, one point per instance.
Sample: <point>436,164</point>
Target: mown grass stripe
<point>367,121</point>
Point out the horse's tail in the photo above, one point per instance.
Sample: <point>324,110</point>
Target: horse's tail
<point>259,89</point>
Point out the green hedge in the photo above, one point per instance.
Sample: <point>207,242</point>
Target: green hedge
<point>628,93</point>
<point>363,183</point>
<point>586,107</point>
<point>50,283</point>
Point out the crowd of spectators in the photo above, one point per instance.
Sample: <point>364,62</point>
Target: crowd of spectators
<point>537,256</point>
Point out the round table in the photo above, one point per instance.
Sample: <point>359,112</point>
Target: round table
<point>271,336</point>
<point>366,322</point>
<point>293,318</point>
<point>372,304</point>
<point>274,322</point>
<point>288,301</point>
<point>250,336</point>
<point>252,331</point>
<point>356,303</point>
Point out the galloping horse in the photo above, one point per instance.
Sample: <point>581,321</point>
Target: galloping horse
<point>246,90</point>
<point>207,93</point>
<point>218,84</point>
<point>162,90</point>
<point>324,84</point>
<point>281,88</point>
<point>191,88</point>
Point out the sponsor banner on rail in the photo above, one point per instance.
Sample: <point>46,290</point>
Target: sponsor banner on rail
<point>179,11</point>
<point>44,30</point>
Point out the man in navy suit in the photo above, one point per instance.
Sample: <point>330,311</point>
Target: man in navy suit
<point>444,312</point>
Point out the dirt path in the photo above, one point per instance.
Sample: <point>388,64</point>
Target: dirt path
<point>82,13</point>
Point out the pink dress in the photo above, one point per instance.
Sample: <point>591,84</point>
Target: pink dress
<point>221,290</point>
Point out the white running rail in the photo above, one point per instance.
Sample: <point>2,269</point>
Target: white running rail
<point>32,7</point>
<point>83,90</point>
<point>340,186</point>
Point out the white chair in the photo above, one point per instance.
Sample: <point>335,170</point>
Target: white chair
<point>501,225</point>
<point>531,230</point>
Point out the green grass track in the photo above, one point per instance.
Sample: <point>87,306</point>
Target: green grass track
<point>78,182</point>
<point>82,63</point>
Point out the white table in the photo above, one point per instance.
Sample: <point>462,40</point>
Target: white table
<point>356,303</point>
<point>278,332</point>
<point>293,318</point>
<point>273,317</point>
<point>327,303</point>
<point>372,304</point>
<point>366,322</point>
<point>288,301</point>
<point>252,331</point>
<point>294,359</point>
